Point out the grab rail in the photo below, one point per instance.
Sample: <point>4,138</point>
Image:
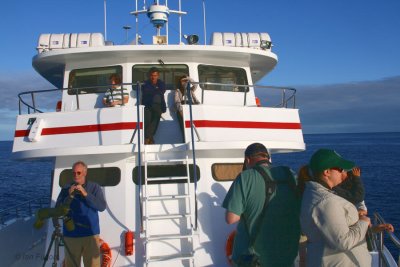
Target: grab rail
<point>285,98</point>
<point>139,144</point>
<point>23,209</point>
<point>236,88</point>
<point>379,220</point>
<point>189,96</point>
<point>75,90</point>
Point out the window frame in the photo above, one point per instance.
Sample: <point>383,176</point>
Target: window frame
<point>215,74</point>
<point>147,67</point>
<point>214,171</point>
<point>154,173</point>
<point>92,88</point>
<point>65,176</point>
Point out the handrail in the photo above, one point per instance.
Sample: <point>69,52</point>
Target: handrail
<point>189,96</point>
<point>393,237</point>
<point>284,102</point>
<point>27,209</point>
<point>76,92</point>
<point>285,99</point>
<point>138,85</point>
<point>379,220</point>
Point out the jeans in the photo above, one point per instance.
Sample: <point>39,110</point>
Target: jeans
<point>152,116</point>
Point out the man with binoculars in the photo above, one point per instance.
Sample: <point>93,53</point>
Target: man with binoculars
<point>81,227</point>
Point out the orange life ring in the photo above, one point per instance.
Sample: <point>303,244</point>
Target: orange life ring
<point>229,246</point>
<point>106,255</point>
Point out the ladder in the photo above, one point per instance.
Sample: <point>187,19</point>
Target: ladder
<point>168,228</point>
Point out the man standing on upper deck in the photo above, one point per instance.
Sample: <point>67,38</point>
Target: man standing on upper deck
<point>153,91</point>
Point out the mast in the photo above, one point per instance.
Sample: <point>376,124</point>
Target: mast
<point>159,15</point>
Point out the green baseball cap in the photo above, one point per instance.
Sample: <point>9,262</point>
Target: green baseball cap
<point>324,159</point>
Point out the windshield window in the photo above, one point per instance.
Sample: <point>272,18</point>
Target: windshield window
<point>169,73</point>
<point>224,76</point>
<point>91,78</point>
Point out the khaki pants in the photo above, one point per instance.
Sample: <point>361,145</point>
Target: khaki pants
<point>87,247</point>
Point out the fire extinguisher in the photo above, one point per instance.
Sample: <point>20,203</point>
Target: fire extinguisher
<point>129,243</point>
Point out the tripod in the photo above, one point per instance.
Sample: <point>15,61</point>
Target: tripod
<point>56,239</point>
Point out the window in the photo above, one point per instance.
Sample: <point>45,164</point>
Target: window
<point>107,176</point>
<point>222,75</point>
<point>226,171</point>
<point>169,74</point>
<point>164,171</point>
<point>81,78</point>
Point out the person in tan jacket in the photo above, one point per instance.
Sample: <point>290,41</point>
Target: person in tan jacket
<point>334,229</point>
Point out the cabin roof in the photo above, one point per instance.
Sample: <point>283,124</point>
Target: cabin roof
<point>51,64</point>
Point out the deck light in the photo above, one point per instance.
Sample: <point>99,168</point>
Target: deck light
<point>191,39</point>
<point>264,44</point>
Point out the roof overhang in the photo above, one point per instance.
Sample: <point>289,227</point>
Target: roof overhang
<point>51,64</point>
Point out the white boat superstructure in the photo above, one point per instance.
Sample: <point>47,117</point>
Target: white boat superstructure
<point>168,193</point>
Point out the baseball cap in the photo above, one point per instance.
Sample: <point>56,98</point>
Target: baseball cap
<point>324,159</point>
<point>256,148</point>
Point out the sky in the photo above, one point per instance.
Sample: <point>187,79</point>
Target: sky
<point>342,56</point>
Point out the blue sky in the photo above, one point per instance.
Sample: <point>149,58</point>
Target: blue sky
<point>337,48</point>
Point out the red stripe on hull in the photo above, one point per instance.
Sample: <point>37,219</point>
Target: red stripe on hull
<point>83,129</point>
<point>21,133</point>
<point>244,124</point>
<point>132,125</point>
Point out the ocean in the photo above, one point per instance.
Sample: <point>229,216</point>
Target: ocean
<point>378,155</point>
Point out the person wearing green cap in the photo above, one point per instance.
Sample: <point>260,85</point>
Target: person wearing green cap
<point>335,231</point>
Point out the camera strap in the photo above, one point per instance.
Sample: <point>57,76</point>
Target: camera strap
<point>270,187</point>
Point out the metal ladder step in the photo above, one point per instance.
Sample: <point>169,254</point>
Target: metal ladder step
<point>150,161</point>
<point>167,197</point>
<point>167,178</point>
<point>168,236</point>
<point>175,257</point>
<point>168,216</point>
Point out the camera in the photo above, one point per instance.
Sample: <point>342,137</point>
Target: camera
<point>76,192</point>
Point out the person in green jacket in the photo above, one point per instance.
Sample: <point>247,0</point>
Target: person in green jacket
<point>277,233</point>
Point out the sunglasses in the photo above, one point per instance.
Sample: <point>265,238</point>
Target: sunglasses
<point>337,169</point>
<point>76,173</point>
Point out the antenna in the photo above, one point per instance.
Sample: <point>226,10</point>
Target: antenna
<point>126,28</point>
<point>204,22</point>
<point>180,23</point>
<point>137,25</point>
<point>105,20</point>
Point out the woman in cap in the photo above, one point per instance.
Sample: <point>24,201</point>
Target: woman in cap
<point>335,231</point>
<point>181,98</point>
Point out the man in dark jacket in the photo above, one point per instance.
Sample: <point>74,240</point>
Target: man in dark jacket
<point>153,99</point>
<point>81,229</point>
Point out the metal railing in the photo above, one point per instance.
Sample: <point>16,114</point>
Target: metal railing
<point>379,241</point>
<point>286,98</point>
<point>24,209</point>
<point>189,96</point>
<point>288,94</point>
<point>140,195</point>
<point>75,91</point>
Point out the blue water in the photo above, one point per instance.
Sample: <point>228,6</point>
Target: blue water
<point>378,155</point>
